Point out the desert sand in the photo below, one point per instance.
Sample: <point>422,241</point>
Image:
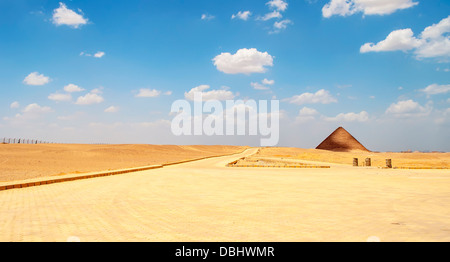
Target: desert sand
<point>22,161</point>
<point>399,160</point>
<point>207,201</point>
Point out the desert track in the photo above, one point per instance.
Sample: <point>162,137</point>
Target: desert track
<point>206,201</point>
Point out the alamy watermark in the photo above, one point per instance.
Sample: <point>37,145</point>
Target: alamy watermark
<point>238,117</point>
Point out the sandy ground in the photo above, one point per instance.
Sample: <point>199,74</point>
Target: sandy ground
<point>206,201</point>
<point>414,159</point>
<point>21,161</point>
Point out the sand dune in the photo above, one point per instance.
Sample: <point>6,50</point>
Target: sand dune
<point>21,161</point>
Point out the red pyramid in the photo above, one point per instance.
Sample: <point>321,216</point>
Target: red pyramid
<point>341,140</point>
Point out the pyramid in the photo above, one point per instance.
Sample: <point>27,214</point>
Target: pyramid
<point>341,140</point>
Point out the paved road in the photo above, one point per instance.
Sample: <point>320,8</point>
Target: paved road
<point>206,201</point>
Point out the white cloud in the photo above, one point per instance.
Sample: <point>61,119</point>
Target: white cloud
<point>433,42</point>
<point>36,79</point>
<point>279,5</point>
<point>71,88</point>
<point>306,114</point>
<point>363,116</point>
<point>145,92</point>
<point>97,90</point>
<point>244,61</point>
<point>242,15</point>
<point>281,25</point>
<point>220,95</point>
<point>320,97</point>
<point>435,89</point>
<point>90,98</point>
<point>338,7</point>
<point>259,86</point>
<point>397,40</point>
<point>436,30</point>
<point>408,108</point>
<point>14,105</point>
<point>368,7</point>
<point>36,109</point>
<point>271,15</point>
<point>306,111</point>
<point>30,112</point>
<point>268,82</point>
<point>263,85</point>
<point>60,97</point>
<point>168,93</point>
<point>207,17</point>
<point>64,16</point>
<point>112,109</point>
<point>99,54</point>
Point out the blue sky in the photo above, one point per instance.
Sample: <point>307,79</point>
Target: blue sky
<point>379,68</point>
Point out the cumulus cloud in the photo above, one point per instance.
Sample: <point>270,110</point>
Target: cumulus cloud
<point>363,116</point>
<point>146,92</point>
<point>36,79</point>
<point>408,108</point>
<point>306,114</point>
<point>71,88</point>
<point>397,40</point>
<point>368,7</point>
<point>279,5</point>
<point>60,97</point>
<point>244,61</point>
<point>320,97</point>
<point>221,94</point>
<point>436,89</point>
<point>243,15</point>
<point>99,54</point>
<point>433,42</point>
<point>36,109</point>
<point>64,16</point>
<point>14,105</point>
<point>268,82</point>
<point>30,112</point>
<point>111,109</point>
<point>91,98</point>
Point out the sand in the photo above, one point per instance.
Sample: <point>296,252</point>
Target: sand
<point>400,160</point>
<point>22,161</point>
<point>206,201</point>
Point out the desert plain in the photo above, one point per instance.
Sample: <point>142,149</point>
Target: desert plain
<point>205,200</point>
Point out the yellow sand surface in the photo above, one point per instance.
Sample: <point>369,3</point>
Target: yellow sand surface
<point>23,161</point>
<point>414,159</point>
<point>207,201</point>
